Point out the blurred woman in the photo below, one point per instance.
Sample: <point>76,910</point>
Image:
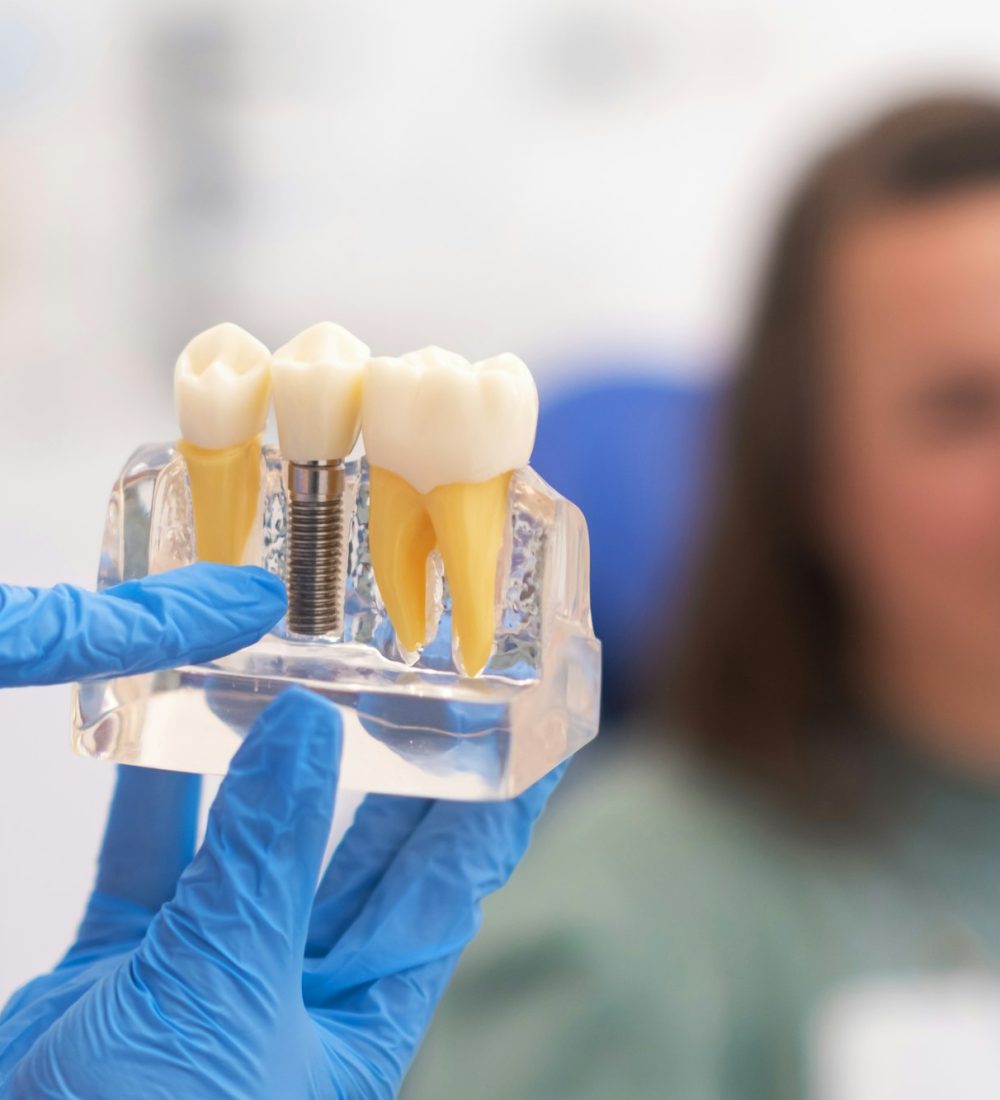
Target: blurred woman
<point>794,867</point>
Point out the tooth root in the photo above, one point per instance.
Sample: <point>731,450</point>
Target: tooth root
<point>401,539</point>
<point>469,521</point>
<point>225,493</point>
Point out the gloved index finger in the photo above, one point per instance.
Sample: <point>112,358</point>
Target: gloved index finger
<point>188,615</point>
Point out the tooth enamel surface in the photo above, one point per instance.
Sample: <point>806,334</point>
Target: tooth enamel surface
<point>435,419</point>
<point>316,379</point>
<point>222,385</point>
<point>442,437</point>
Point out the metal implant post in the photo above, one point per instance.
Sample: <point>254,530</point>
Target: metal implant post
<point>317,535</point>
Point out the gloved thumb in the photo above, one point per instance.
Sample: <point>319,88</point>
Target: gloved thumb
<point>241,910</point>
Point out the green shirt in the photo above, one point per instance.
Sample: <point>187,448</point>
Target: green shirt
<point>665,938</point>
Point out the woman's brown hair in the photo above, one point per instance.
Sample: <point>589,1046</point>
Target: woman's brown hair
<point>758,674</point>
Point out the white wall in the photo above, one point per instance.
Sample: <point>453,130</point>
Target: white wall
<point>548,176</point>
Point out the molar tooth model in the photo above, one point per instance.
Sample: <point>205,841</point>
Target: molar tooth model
<point>443,437</point>
<point>438,589</point>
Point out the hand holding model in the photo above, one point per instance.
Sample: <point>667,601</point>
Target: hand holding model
<point>229,974</point>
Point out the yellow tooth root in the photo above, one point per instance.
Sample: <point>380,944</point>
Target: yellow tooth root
<point>469,520</point>
<point>401,539</point>
<point>225,493</point>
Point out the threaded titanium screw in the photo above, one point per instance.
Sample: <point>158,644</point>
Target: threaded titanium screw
<point>317,536</point>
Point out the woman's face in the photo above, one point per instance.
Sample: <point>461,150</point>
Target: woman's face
<point>911,410</point>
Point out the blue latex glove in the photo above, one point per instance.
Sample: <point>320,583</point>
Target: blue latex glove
<point>235,977</point>
<point>54,635</point>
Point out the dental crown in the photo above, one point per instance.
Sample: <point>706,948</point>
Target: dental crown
<point>434,418</point>
<point>222,387</point>
<point>316,379</point>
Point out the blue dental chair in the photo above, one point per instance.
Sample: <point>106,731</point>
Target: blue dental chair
<point>633,453</point>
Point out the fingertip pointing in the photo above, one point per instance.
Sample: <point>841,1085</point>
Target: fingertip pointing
<point>240,577</point>
<point>273,586</point>
<point>263,588</point>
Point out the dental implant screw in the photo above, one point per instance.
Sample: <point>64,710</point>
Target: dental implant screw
<point>316,547</point>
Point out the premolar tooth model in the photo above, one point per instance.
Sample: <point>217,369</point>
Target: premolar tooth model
<point>222,386</point>
<point>317,400</point>
<point>443,437</point>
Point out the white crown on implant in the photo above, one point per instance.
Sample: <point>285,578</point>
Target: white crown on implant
<point>434,418</point>
<point>317,379</point>
<point>222,385</point>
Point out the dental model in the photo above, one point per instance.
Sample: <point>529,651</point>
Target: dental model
<point>222,387</point>
<point>443,490</point>
<point>317,401</point>
<point>443,437</point>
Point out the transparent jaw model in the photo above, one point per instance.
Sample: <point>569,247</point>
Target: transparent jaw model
<point>413,723</point>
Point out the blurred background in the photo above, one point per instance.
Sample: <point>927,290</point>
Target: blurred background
<point>588,183</point>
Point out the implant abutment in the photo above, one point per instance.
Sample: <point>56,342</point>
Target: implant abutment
<point>317,534</point>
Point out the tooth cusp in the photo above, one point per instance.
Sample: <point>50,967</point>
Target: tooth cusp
<point>434,418</point>
<point>222,385</point>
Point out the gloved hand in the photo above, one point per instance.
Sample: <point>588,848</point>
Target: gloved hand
<point>54,635</point>
<point>238,978</point>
